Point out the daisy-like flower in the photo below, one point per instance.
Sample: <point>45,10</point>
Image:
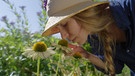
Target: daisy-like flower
<point>63,43</point>
<point>39,49</point>
<point>77,55</point>
<point>62,46</point>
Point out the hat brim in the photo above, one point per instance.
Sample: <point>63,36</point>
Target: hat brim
<point>67,13</point>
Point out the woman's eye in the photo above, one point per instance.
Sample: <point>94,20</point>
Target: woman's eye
<point>64,25</point>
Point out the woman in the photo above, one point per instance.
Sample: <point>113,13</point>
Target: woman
<point>109,27</point>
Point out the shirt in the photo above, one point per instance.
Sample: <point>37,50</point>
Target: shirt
<point>123,12</point>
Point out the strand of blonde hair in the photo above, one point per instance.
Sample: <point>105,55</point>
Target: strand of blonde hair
<point>108,52</point>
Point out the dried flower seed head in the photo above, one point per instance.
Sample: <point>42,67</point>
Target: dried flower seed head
<point>63,42</point>
<point>39,47</point>
<point>77,55</point>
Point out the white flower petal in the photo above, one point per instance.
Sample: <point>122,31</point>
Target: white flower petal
<point>42,55</point>
<point>26,53</point>
<point>29,49</point>
<point>34,55</point>
<point>50,51</point>
<point>50,48</point>
<point>46,54</point>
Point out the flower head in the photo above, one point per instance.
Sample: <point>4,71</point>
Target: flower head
<point>62,46</point>
<point>63,42</point>
<point>77,55</point>
<point>39,49</point>
<point>4,18</point>
<point>45,4</point>
<point>12,23</point>
<point>22,7</point>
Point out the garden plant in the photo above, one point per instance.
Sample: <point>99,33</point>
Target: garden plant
<point>16,38</point>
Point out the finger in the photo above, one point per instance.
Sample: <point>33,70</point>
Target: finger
<point>72,46</point>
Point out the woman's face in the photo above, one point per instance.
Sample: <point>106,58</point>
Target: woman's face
<point>72,30</point>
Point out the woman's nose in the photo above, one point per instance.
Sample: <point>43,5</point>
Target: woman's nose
<point>63,32</point>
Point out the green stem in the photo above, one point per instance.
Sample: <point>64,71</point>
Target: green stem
<point>58,64</point>
<point>86,72</point>
<point>38,66</point>
<point>76,65</point>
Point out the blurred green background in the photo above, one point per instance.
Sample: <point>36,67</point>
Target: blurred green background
<point>16,36</point>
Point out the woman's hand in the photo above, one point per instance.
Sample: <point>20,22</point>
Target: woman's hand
<point>77,48</point>
<point>94,59</point>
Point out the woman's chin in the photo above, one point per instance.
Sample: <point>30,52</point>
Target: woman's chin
<point>79,42</point>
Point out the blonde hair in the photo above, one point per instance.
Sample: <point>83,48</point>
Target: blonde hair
<point>97,20</point>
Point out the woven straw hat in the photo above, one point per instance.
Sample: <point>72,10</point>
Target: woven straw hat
<point>59,10</point>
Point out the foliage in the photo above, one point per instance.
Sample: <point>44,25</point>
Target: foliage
<point>15,38</point>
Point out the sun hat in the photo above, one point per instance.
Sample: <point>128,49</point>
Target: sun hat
<point>59,10</point>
